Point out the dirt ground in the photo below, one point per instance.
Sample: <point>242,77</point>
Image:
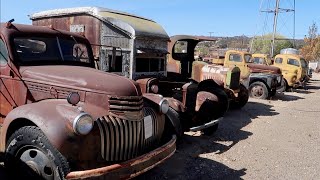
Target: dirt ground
<point>267,139</point>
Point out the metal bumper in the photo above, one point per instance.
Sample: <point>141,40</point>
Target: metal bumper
<point>131,168</point>
<point>282,87</point>
<point>204,126</point>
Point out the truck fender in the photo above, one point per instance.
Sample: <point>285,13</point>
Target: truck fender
<point>176,108</point>
<point>215,89</point>
<point>54,118</point>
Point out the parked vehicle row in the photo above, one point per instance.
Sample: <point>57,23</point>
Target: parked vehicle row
<point>91,92</point>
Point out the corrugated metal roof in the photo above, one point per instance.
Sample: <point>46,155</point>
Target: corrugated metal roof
<point>129,23</point>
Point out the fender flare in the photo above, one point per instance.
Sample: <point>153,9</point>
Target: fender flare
<point>174,104</point>
<point>54,117</point>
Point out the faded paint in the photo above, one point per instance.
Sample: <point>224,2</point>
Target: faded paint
<point>37,95</point>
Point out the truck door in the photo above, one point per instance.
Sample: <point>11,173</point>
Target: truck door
<point>6,90</point>
<point>235,59</point>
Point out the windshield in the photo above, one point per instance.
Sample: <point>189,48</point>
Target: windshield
<point>258,60</point>
<point>51,50</point>
<point>149,64</point>
<point>303,63</point>
<point>248,58</point>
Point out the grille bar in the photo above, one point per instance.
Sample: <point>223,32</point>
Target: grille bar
<point>125,103</point>
<point>124,139</point>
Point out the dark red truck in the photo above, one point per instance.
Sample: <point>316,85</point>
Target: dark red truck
<point>62,119</point>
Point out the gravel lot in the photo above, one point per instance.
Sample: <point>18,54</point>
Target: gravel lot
<point>267,139</point>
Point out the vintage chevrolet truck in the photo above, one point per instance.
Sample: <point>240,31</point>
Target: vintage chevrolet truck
<point>264,81</point>
<point>293,66</point>
<point>182,66</point>
<point>62,119</point>
<point>136,47</point>
<point>294,69</point>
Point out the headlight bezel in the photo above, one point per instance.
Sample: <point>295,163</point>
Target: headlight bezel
<point>164,106</point>
<point>77,120</point>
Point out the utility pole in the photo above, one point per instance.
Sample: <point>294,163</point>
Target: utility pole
<point>294,23</point>
<point>275,20</point>
<point>276,12</point>
<point>210,33</point>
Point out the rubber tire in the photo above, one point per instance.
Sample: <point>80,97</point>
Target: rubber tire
<point>169,127</point>
<point>33,136</point>
<point>210,130</point>
<point>242,99</point>
<point>265,90</point>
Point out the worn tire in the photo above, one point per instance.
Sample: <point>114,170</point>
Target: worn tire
<point>242,98</point>
<point>210,130</point>
<point>29,144</point>
<point>258,90</point>
<point>169,127</point>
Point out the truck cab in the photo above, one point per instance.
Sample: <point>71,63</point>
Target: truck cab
<point>134,47</point>
<point>262,59</point>
<point>264,81</point>
<point>294,69</point>
<point>62,119</point>
<point>182,66</point>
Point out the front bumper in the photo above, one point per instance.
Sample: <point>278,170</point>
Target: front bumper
<point>131,168</point>
<point>206,125</point>
<point>282,87</point>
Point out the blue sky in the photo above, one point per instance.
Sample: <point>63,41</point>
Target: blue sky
<point>194,17</point>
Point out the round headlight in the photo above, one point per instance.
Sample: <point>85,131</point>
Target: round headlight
<point>154,89</point>
<point>164,106</point>
<point>73,98</point>
<point>83,124</point>
<point>294,78</point>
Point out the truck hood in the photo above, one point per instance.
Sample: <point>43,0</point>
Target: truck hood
<point>81,78</point>
<point>261,68</point>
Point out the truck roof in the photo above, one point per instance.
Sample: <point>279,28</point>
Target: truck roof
<point>129,23</point>
<point>23,29</point>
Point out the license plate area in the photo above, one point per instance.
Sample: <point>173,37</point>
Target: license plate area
<point>148,127</point>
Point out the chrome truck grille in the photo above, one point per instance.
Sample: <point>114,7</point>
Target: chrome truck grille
<point>125,103</point>
<point>125,139</point>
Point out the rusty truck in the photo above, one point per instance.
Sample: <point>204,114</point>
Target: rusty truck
<point>62,119</point>
<point>136,47</point>
<point>182,66</point>
<point>264,81</point>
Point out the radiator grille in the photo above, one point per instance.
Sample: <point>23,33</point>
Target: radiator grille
<point>125,103</point>
<point>124,139</point>
<point>235,80</point>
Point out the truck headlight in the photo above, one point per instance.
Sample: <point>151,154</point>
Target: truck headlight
<point>164,106</point>
<point>83,124</point>
<point>154,88</point>
<point>294,79</point>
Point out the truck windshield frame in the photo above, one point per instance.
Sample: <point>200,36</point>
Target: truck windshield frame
<point>52,50</point>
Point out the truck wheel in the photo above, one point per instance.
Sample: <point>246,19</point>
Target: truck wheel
<point>258,90</point>
<point>210,130</point>
<point>30,155</point>
<point>242,98</point>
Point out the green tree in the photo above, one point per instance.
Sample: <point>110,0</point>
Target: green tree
<point>262,44</point>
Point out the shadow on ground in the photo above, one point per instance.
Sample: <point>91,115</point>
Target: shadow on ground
<point>187,163</point>
<point>182,166</point>
<point>287,97</point>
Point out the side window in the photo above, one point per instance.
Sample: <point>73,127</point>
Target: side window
<point>181,47</point>
<point>115,64</point>
<point>278,61</point>
<point>3,54</point>
<point>235,57</point>
<point>293,62</point>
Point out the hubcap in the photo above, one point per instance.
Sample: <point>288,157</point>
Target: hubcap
<point>257,91</point>
<point>39,163</point>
